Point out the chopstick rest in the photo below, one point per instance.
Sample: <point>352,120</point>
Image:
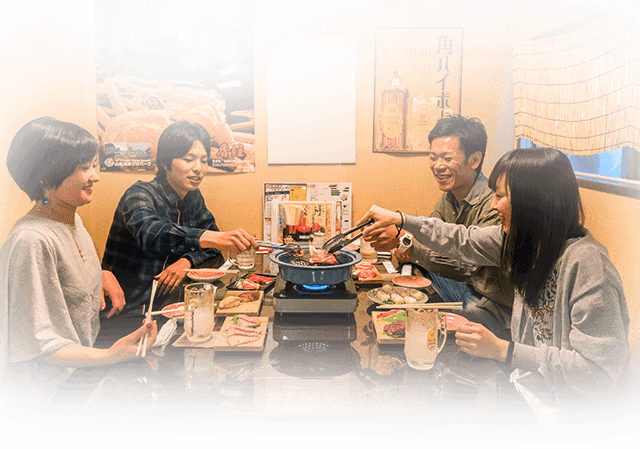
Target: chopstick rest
<point>426,305</point>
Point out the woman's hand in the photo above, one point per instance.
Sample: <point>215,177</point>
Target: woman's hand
<point>171,276</point>
<point>477,340</point>
<point>234,241</point>
<point>126,347</point>
<point>111,288</point>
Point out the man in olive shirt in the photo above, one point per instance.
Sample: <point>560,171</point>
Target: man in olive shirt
<point>458,147</point>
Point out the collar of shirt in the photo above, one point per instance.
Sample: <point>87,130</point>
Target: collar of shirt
<point>474,194</point>
<point>171,196</point>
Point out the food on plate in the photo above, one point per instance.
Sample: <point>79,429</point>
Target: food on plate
<point>454,321</point>
<point>244,330</point>
<point>230,302</point>
<point>264,280</point>
<point>387,288</point>
<point>174,310</point>
<point>395,329</point>
<point>416,294</point>
<point>364,271</point>
<point>412,281</point>
<point>205,273</point>
<point>395,326</point>
<point>246,284</point>
<point>250,296</point>
<point>383,295</point>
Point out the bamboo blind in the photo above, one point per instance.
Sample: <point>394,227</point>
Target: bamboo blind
<point>579,91</point>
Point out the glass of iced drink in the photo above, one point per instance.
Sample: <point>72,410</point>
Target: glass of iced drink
<point>199,318</point>
<point>423,330</point>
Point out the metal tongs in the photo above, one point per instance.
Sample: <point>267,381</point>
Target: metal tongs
<point>289,247</point>
<point>338,242</point>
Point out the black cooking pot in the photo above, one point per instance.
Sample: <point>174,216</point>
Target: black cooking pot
<point>298,271</point>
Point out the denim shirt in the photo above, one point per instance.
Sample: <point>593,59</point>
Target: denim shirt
<point>153,228</point>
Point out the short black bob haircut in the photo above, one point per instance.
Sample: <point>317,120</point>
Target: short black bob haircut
<point>470,133</point>
<point>546,211</point>
<point>176,141</point>
<point>45,152</point>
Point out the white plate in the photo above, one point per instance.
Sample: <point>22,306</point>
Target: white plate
<point>205,274</point>
<point>403,291</point>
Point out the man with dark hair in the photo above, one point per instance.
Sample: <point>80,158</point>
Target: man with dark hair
<point>458,146</point>
<point>163,227</point>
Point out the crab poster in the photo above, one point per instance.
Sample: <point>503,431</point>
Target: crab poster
<point>161,61</point>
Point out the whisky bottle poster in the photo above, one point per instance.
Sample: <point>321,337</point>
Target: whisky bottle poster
<point>418,76</point>
<point>161,61</point>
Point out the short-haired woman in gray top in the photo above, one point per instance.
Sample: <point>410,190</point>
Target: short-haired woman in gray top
<point>52,287</point>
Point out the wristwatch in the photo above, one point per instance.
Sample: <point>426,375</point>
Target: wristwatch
<point>406,242</point>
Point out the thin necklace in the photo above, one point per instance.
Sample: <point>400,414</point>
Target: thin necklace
<point>84,259</point>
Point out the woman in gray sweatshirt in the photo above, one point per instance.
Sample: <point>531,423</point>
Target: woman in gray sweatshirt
<point>570,322</point>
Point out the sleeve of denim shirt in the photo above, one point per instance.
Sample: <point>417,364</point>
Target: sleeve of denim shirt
<point>202,219</point>
<point>150,222</point>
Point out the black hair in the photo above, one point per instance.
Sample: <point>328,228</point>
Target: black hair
<point>546,211</point>
<point>470,132</point>
<point>45,152</point>
<point>176,141</point>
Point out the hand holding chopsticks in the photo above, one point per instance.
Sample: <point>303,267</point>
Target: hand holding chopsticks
<point>143,341</point>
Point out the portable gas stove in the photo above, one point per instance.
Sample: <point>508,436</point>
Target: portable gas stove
<point>315,316</point>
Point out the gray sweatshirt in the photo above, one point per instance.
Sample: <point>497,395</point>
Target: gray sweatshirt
<point>576,343</point>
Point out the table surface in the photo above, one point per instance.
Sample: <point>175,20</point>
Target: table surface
<point>329,374</point>
<point>363,389</point>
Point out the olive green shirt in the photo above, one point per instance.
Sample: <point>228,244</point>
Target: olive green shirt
<point>474,210</point>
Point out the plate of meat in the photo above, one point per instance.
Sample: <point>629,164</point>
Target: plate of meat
<point>252,281</point>
<point>175,310</point>
<point>242,333</point>
<point>205,274</point>
<point>366,273</point>
<point>236,302</point>
<point>390,326</point>
<point>411,281</point>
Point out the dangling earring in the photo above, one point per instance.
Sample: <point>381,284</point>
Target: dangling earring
<point>45,200</point>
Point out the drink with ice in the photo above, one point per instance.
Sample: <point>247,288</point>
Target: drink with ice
<point>421,337</point>
<point>199,318</point>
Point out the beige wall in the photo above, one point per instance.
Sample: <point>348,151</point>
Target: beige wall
<point>48,69</point>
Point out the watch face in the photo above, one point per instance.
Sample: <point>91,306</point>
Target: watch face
<point>406,240</point>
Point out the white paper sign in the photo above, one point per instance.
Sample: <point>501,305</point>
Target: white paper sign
<point>311,100</point>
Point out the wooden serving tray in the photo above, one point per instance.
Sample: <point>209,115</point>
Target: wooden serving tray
<point>246,308</point>
<point>255,346</point>
<point>381,336</point>
<point>378,279</point>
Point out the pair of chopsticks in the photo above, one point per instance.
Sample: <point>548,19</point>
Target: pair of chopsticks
<point>196,270</point>
<point>426,305</point>
<point>143,341</point>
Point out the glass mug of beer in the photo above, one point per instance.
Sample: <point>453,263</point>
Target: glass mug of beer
<point>199,319</point>
<point>421,337</point>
